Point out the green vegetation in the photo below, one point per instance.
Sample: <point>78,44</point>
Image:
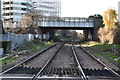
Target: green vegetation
<point>5,41</point>
<point>89,43</point>
<point>110,50</point>
<point>109,34</point>
<point>31,47</point>
<point>61,38</point>
<point>7,60</point>
<point>102,47</point>
<point>56,39</point>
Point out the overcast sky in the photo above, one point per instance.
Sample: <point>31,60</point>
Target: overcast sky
<point>84,8</point>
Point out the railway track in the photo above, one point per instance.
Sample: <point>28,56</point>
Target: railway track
<point>63,62</point>
<point>99,71</point>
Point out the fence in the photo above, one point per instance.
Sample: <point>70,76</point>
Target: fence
<point>16,38</point>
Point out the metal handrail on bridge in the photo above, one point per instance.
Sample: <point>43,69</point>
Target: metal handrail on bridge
<point>65,22</point>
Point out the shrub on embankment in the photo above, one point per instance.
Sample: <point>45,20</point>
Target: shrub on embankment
<point>29,48</point>
<point>110,33</point>
<point>110,52</point>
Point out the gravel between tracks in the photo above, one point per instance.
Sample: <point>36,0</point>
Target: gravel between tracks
<point>86,61</point>
<point>64,58</point>
<point>40,60</point>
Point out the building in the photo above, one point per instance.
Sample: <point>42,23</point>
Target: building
<point>13,9</point>
<point>49,7</point>
<point>119,11</point>
<point>0,9</point>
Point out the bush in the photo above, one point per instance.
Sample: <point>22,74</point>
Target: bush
<point>106,36</point>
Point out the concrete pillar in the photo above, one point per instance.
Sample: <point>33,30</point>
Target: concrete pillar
<point>47,36</point>
<point>93,34</point>
<point>86,33</point>
<point>41,33</point>
<point>52,34</point>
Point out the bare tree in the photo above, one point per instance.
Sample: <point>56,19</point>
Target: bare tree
<point>25,21</point>
<point>1,23</point>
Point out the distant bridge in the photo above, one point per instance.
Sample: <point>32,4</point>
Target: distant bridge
<point>66,23</point>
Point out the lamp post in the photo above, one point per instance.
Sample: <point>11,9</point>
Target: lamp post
<point>33,13</point>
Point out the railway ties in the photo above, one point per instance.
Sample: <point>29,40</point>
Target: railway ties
<point>49,71</point>
<point>62,71</point>
<point>105,73</point>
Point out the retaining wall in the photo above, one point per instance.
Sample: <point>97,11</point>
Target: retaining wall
<point>16,38</point>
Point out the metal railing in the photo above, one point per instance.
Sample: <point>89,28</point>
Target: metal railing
<point>65,22</point>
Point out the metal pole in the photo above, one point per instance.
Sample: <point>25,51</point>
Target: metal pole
<point>0,9</point>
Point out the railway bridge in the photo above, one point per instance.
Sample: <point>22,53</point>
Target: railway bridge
<point>47,24</point>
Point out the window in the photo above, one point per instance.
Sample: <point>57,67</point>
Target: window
<point>24,9</point>
<point>8,14</point>
<point>23,3</point>
<point>8,8</point>
<point>5,3</point>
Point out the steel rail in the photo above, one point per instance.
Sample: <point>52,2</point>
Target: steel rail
<point>47,63</point>
<point>51,77</point>
<point>31,57</point>
<point>78,63</point>
<point>99,61</point>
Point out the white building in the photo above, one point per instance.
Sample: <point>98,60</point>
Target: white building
<point>13,9</point>
<point>119,11</point>
<point>0,9</point>
<point>49,7</point>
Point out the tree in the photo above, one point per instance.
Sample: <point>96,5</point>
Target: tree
<point>30,21</point>
<point>110,17</point>
<point>107,33</point>
<point>98,22</point>
<point>25,20</point>
<point>34,23</point>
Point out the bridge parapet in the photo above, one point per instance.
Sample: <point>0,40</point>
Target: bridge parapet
<point>65,22</point>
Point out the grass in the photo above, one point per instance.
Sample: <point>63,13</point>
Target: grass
<point>35,46</point>
<point>61,38</point>
<point>110,55</point>
<point>32,47</point>
<point>7,60</point>
<point>39,46</point>
<point>103,49</point>
<point>89,43</point>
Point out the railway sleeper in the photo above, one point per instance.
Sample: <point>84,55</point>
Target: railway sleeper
<point>49,71</point>
<point>61,71</point>
<point>98,72</point>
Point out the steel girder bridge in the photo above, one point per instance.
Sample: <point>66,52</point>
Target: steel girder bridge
<point>66,23</point>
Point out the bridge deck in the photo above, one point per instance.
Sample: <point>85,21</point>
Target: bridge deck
<point>66,23</point>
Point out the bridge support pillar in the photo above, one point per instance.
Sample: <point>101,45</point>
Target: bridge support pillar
<point>41,33</point>
<point>86,33</point>
<point>52,34</point>
<point>46,34</point>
